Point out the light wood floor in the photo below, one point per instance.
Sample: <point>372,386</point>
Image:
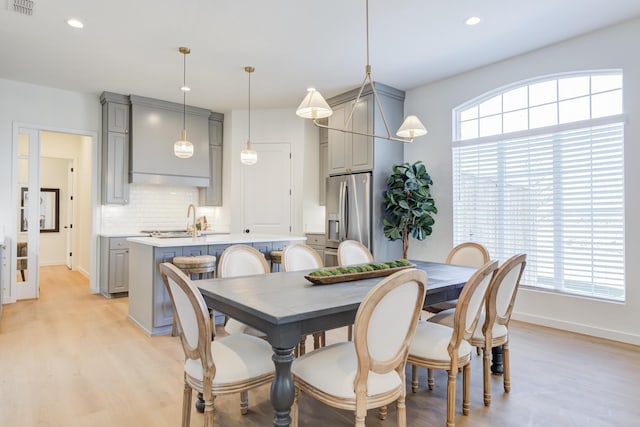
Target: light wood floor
<point>73,359</point>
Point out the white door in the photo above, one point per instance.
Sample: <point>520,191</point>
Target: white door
<point>25,277</point>
<point>266,191</point>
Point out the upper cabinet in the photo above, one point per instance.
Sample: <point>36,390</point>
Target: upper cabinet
<point>138,134</point>
<point>115,148</point>
<point>354,152</point>
<point>349,153</point>
<point>212,195</point>
<point>118,117</point>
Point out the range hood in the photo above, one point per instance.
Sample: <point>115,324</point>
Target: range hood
<point>155,126</point>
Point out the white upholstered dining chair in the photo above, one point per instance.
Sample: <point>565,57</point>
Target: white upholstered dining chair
<point>241,260</point>
<point>303,257</point>
<point>493,324</point>
<point>352,252</point>
<point>436,346</point>
<point>232,364</point>
<point>470,254</point>
<point>368,372</point>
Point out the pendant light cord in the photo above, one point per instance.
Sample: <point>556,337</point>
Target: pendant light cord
<point>367,30</point>
<point>249,139</point>
<point>184,92</point>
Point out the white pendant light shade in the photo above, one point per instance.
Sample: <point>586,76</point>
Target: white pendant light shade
<point>411,128</point>
<point>248,156</point>
<point>314,106</point>
<point>183,148</point>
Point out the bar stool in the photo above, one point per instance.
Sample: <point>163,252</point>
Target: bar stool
<point>202,265</point>
<point>276,258</point>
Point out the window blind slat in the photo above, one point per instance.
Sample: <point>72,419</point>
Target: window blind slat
<point>558,197</point>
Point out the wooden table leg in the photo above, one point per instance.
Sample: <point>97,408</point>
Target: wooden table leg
<point>496,360</point>
<point>282,389</point>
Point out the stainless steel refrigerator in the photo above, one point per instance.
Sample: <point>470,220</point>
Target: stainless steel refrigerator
<point>355,211</point>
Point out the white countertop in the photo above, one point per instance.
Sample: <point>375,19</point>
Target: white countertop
<point>218,239</point>
<point>124,234</point>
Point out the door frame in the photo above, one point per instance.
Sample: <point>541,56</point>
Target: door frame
<point>94,203</point>
<point>71,212</point>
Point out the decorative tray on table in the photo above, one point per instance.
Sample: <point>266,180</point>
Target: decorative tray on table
<point>357,272</point>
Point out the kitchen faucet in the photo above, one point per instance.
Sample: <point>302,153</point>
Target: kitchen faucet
<point>192,206</point>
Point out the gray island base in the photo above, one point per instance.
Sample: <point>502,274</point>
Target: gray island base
<point>149,303</point>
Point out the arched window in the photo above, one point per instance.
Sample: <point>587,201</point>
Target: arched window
<point>538,168</point>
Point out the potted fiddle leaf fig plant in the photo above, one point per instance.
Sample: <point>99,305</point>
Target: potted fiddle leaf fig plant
<point>409,207</point>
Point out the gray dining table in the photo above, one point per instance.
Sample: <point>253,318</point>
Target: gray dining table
<point>287,306</point>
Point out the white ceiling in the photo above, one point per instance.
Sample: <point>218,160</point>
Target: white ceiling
<point>131,46</point>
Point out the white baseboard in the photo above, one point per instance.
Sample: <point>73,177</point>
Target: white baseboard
<point>84,272</point>
<point>578,328</point>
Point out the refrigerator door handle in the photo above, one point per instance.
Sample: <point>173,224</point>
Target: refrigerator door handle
<point>346,210</point>
<point>341,207</point>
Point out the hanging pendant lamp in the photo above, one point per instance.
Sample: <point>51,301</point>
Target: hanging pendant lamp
<point>315,107</point>
<point>248,156</point>
<point>183,148</point>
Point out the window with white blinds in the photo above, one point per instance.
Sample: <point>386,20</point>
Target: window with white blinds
<point>555,194</point>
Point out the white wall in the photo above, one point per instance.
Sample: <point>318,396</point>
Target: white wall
<point>609,48</point>
<point>49,109</point>
<point>273,126</point>
<point>42,106</point>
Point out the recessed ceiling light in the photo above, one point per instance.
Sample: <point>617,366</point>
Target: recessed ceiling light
<point>472,21</point>
<point>75,23</point>
<point>185,88</point>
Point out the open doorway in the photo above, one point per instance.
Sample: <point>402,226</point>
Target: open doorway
<point>59,169</point>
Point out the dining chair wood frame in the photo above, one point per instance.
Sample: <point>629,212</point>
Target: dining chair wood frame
<point>241,260</point>
<point>232,364</point>
<point>499,306</point>
<point>432,350</point>
<point>202,265</point>
<point>471,254</point>
<point>376,358</point>
<point>303,257</point>
<point>493,326</point>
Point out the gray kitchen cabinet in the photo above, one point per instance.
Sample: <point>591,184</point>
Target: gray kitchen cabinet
<point>114,266</point>
<point>149,302</point>
<point>212,195</point>
<point>115,148</point>
<point>264,247</point>
<point>118,117</point>
<point>162,309</point>
<point>351,153</point>
<point>323,166</point>
<point>317,242</point>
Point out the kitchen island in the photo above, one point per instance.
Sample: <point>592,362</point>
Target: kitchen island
<point>149,303</point>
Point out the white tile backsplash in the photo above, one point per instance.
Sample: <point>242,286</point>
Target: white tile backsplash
<point>154,207</point>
